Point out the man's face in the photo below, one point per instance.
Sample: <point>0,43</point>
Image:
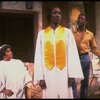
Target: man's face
<point>81,20</point>
<point>56,15</point>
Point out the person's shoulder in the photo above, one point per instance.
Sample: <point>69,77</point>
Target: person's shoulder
<point>2,62</point>
<point>89,32</point>
<point>46,28</point>
<point>41,31</point>
<point>17,60</point>
<point>66,28</point>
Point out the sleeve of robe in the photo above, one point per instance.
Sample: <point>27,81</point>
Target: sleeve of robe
<point>1,78</point>
<point>38,71</point>
<point>74,65</point>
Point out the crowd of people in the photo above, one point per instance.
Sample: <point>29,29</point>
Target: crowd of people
<point>61,57</point>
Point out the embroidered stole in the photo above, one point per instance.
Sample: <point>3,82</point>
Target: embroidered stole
<point>55,48</point>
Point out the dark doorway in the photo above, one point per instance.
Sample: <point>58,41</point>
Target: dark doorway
<point>90,13</point>
<point>17,30</point>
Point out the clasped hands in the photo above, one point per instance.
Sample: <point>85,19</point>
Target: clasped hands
<point>7,92</point>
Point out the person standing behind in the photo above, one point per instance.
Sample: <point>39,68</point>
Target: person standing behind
<point>56,59</point>
<point>14,79</point>
<point>86,42</point>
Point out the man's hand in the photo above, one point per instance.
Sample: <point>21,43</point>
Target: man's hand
<point>7,92</point>
<point>42,84</point>
<point>36,91</point>
<point>71,81</point>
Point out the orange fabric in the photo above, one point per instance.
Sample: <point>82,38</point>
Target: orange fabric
<point>88,41</point>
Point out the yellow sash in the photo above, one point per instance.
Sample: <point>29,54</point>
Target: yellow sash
<point>55,48</point>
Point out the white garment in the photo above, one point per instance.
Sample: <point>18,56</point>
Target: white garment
<point>1,83</point>
<point>15,76</point>
<point>56,79</point>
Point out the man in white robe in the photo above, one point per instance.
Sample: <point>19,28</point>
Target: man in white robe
<point>14,76</point>
<point>56,59</point>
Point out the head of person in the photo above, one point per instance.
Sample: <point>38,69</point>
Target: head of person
<point>82,20</point>
<point>6,52</point>
<point>54,15</point>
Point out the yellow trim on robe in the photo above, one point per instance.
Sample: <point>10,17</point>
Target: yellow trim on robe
<point>55,44</point>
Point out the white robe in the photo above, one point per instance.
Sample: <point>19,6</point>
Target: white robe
<point>1,81</point>
<point>56,79</point>
<point>14,77</point>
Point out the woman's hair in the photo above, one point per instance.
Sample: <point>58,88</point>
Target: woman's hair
<point>3,49</point>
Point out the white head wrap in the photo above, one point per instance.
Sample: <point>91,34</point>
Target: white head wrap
<point>2,46</point>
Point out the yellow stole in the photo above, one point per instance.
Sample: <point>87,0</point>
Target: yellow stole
<point>55,48</point>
